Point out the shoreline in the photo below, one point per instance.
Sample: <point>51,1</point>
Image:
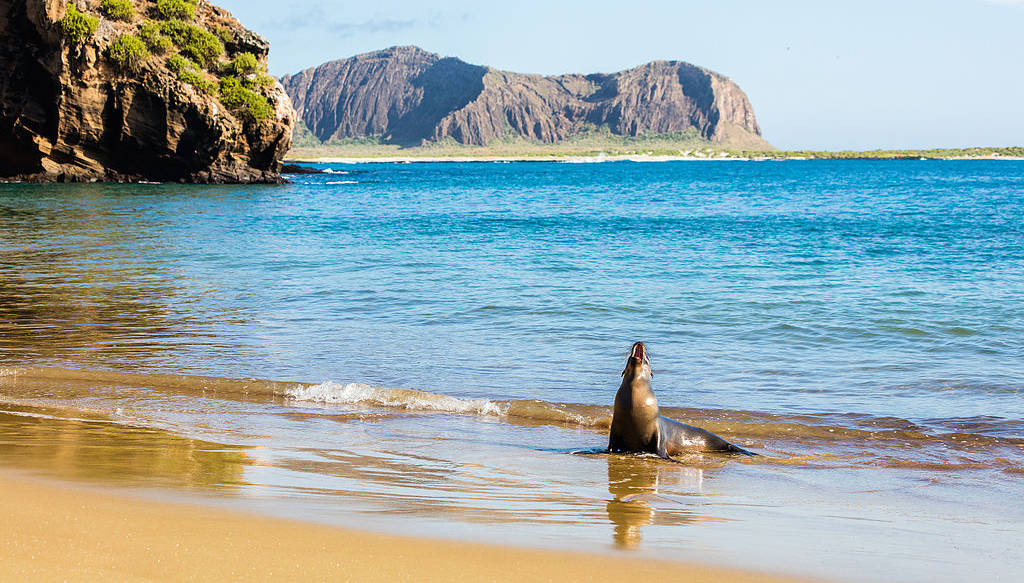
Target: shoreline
<point>596,159</point>
<point>513,158</point>
<point>104,535</point>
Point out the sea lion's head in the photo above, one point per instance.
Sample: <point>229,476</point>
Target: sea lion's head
<point>638,366</point>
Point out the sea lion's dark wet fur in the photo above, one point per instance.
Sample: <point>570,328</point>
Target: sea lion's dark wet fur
<point>637,425</point>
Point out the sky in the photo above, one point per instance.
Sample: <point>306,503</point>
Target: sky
<point>821,74</point>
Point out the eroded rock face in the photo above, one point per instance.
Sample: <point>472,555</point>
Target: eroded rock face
<point>68,113</point>
<point>407,95</point>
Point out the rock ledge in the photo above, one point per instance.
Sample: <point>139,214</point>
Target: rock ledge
<point>68,112</point>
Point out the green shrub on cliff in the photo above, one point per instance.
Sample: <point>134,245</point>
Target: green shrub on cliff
<point>252,75</point>
<point>128,52</point>
<point>253,106</point>
<point>149,32</point>
<point>118,9</point>
<point>176,9</point>
<point>258,80</point>
<point>178,64</point>
<point>225,34</point>
<point>188,72</point>
<point>197,80</point>
<point>194,42</point>
<point>243,64</point>
<point>76,26</point>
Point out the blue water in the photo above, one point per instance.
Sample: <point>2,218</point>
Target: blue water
<point>892,288</point>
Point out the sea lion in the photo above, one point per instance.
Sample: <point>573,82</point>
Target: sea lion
<point>637,425</point>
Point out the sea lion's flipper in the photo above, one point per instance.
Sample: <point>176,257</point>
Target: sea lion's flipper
<point>614,443</point>
<point>662,440</point>
<point>737,449</point>
<point>595,451</point>
<point>662,450</point>
<point>687,437</point>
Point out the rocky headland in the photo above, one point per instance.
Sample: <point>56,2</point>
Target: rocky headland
<point>129,90</point>
<point>408,96</point>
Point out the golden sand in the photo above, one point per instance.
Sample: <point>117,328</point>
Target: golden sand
<point>56,531</point>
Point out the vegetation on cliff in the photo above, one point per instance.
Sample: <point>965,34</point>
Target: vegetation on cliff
<point>122,10</point>
<point>136,93</point>
<point>176,9</point>
<point>129,52</point>
<point>150,33</point>
<point>245,99</point>
<point>243,64</point>
<point>77,26</point>
<point>194,42</point>
<point>240,79</point>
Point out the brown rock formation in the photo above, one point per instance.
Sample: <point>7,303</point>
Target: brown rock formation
<point>406,95</point>
<point>68,113</point>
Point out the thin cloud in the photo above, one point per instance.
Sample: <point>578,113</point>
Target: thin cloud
<point>347,29</point>
<point>320,19</point>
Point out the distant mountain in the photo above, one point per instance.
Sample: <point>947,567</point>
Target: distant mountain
<point>406,95</point>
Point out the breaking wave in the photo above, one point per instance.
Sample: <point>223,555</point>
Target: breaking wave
<point>410,399</point>
<point>753,426</point>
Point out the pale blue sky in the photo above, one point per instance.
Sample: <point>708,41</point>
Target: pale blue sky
<point>820,74</point>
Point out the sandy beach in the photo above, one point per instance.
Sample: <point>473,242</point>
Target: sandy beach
<point>55,530</point>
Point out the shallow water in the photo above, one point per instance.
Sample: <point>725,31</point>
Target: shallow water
<point>857,323</point>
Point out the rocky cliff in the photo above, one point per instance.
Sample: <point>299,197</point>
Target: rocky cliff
<point>169,90</point>
<point>408,96</point>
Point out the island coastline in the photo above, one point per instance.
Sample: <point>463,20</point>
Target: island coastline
<point>584,158</point>
<point>355,153</point>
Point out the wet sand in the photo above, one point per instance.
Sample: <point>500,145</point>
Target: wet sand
<point>56,530</point>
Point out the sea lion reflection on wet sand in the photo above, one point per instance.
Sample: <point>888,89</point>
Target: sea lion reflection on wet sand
<point>634,482</point>
<point>637,424</point>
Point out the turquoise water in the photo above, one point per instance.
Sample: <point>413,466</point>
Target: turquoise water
<point>860,324</point>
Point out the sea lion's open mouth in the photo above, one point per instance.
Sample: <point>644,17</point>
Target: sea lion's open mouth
<point>639,351</point>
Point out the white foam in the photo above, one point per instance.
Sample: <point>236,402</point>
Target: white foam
<point>34,415</point>
<point>356,393</point>
<point>600,157</point>
<point>342,182</point>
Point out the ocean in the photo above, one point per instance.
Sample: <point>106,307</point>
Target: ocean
<point>433,349</point>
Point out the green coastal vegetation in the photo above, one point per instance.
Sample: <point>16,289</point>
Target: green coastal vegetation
<point>155,39</point>
<point>172,34</point>
<point>176,9</point>
<point>600,142</point>
<point>930,154</point>
<point>76,26</point>
<point>588,143</point>
<point>243,97</point>
<point>194,42</point>
<point>305,146</point>
<point>129,52</point>
<point>122,10</point>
